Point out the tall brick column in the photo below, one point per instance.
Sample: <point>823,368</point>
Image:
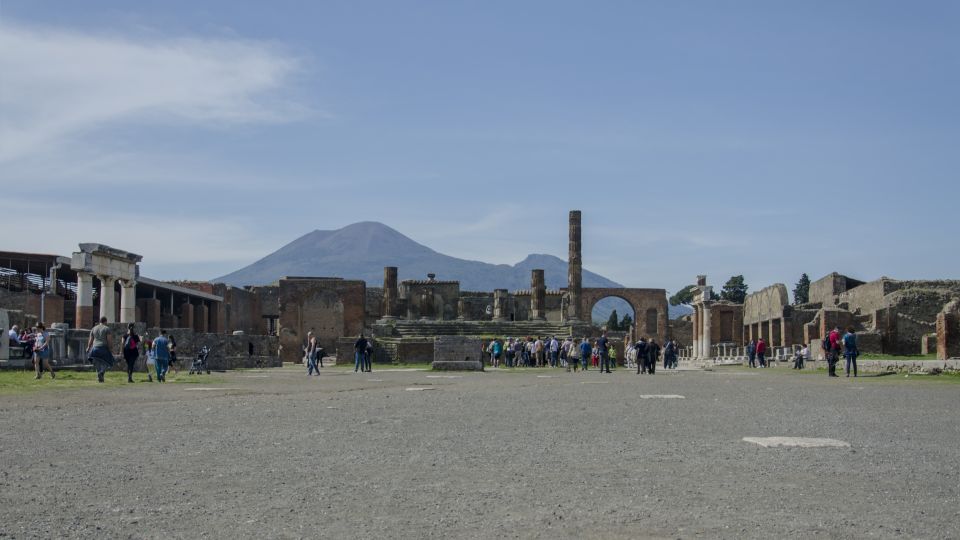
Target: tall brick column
<point>390,292</point>
<point>575,268</point>
<point>538,294</point>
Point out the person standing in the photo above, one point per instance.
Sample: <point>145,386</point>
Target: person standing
<point>497,352</point>
<point>798,357</point>
<point>368,357</point>
<point>131,350</point>
<point>586,351</point>
<point>173,357</point>
<point>573,355</point>
<point>761,350</point>
<point>161,349</point>
<point>641,348</point>
<point>603,351</point>
<point>554,352</point>
<point>100,348</point>
<point>359,349</point>
<point>832,346</point>
<point>752,353</point>
<point>850,351</point>
<point>613,357</point>
<point>41,351</point>
<point>151,357</point>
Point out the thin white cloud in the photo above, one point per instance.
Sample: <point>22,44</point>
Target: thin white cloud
<point>56,84</point>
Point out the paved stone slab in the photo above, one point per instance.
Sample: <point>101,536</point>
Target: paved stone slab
<point>802,442</point>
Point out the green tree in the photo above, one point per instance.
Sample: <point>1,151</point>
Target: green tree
<point>683,296</point>
<point>734,290</point>
<point>613,323</point>
<point>801,293</point>
<point>626,321</point>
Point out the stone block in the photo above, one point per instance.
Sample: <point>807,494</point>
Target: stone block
<point>457,353</point>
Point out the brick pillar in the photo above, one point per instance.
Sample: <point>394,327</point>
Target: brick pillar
<point>186,315</point>
<point>538,294</point>
<point>948,332</point>
<point>390,292</point>
<point>575,268</point>
<point>201,318</point>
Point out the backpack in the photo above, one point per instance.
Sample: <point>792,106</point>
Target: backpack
<point>131,342</point>
<point>826,343</point>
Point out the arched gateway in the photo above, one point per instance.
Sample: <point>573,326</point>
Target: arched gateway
<point>649,308</point>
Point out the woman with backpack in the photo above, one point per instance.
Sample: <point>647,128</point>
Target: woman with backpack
<point>131,350</point>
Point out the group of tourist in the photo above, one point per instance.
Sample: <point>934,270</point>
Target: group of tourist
<point>578,353</point>
<point>363,355</point>
<point>834,345</point>
<point>34,344</point>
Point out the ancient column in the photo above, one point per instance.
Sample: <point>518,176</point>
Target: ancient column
<point>84,300</point>
<point>575,268</point>
<point>499,301</point>
<point>108,298</point>
<point>705,341</point>
<point>538,294</point>
<point>695,332</point>
<point>128,301</point>
<point>390,293</point>
<point>461,309</point>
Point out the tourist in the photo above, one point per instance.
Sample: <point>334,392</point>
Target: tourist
<point>99,346</point>
<point>669,354</point>
<point>833,344</point>
<point>653,355</point>
<point>497,352</point>
<point>564,352</point>
<point>27,339</point>
<point>554,347</point>
<point>161,351</point>
<point>850,351</point>
<point>752,353</point>
<point>603,351</point>
<point>613,358</point>
<point>368,357</point>
<point>641,348</point>
<point>131,350</point>
<point>311,353</point>
<point>508,353</point>
<point>173,357</point>
<point>627,349</point>
<point>41,351</point>
<point>573,355</point>
<point>359,349</point>
<point>761,350</point>
<point>151,357</point>
<point>586,351</point>
<point>538,351</point>
<point>13,336</point>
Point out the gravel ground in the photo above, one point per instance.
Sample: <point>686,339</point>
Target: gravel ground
<point>536,454</point>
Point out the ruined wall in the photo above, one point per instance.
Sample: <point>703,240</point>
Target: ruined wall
<point>681,330</point>
<point>475,305</point>
<point>726,323</point>
<point>766,304</point>
<point>29,303</point>
<point>948,331</point>
<point>824,289</point>
<point>441,298</point>
<point>373,304</point>
<point>330,307</point>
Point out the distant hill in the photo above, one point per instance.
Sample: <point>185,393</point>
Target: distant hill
<point>361,250</point>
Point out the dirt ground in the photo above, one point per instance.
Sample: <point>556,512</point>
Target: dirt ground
<point>534,454</point>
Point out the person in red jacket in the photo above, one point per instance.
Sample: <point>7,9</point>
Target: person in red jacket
<point>761,352</point>
<point>834,342</point>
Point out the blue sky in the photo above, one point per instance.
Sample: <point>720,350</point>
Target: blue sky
<point>756,138</point>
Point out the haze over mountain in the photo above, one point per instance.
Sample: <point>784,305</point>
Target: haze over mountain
<point>361,250</point>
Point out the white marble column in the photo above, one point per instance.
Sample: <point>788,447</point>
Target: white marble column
<point>84,317</point>
<point>128,301</point>
<point>108,298</point>
<point>705,342</point>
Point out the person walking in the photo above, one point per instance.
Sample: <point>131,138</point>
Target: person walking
<point>653,355</point>
<point>311,353</point>
<point>100,348</point>
<point>573,355</point>
<point>603,351</point>
<point>752,353</point>
<point>41,351</point>
<point>359,349</point>
<point>161,349</point>
<point>131,350</point>
<point>151,358</point>
<point>641,348</point>
<point>586,351</point>
<point>761,350</point>
<point>850,351</point>
<point>173,357</point>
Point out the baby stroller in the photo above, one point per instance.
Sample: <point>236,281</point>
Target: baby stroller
<point>200,362</point>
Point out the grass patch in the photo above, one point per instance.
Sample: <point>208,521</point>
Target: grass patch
<point>904,357</point>
<point>20,382</point>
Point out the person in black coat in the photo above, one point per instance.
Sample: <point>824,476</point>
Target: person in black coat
<point>653,354</point>
<point>641,348</point>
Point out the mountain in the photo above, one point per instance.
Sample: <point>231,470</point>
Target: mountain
<point>361,250</point>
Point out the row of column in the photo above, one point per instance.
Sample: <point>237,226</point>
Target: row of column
<point>701,331</point>
<point>128,299</point>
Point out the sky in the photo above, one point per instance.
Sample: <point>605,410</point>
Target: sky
<point>762,138</point>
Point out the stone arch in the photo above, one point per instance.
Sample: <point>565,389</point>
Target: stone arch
<point>633,309</point>
<point>640,300</point>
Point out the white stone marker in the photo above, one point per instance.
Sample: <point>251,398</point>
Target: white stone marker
<point>802,442</point>
<point>661,396</point>
<point>418,388</point>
